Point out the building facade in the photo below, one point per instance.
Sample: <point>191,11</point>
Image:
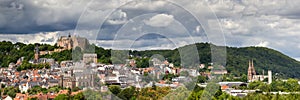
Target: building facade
<point>71,42</point>
<point>90,58</point>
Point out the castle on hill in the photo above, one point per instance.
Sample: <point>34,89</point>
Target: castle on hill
<point>67,43</point>
<point>71,42</point>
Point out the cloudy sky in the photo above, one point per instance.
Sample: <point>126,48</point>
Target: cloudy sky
<point>165,24</point>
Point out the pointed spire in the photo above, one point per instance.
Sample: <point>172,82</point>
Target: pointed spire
<point>253,70</point>
<point>249,64</point>
<point>250,72</point>
<point>252,63</point>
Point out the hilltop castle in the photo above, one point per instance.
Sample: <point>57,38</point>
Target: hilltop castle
<point>71,42</point>
<point>67,43</point>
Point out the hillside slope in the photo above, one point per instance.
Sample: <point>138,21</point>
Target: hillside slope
<point>237,59</point>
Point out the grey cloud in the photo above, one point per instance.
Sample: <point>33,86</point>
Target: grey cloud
<point>244,22</point>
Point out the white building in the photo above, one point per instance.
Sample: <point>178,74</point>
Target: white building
<point>269,76</point>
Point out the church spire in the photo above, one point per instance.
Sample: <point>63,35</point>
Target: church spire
<point>253,70</point>
<point>249,71</point>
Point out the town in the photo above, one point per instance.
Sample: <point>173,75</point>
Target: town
<point>73,77</point>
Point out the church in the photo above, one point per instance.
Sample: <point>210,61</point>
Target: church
<point>252,74</point>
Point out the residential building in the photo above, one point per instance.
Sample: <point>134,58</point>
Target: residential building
<point>90,58</point>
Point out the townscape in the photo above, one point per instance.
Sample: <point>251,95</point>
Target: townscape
<point>50,79</point>
<point>149,50</point>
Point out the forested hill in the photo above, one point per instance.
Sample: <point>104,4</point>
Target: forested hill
<point>237,58</point>
<point>264,59</point>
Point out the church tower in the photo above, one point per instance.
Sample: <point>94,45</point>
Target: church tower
<point>36,54</point>
<point>251,71</point>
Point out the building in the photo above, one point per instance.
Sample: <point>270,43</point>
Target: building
<point>201,66</point>
<point>85,78</point>
<point>90,58</point>
<point>219,70</point>
<point>226,85</point>
<point>67,82</point>
<point>251,71</point>
<point>36,54</point>
<point>253,77</point>
<point>71,42</point>
<point>65,42</point>
<point>269,76</point>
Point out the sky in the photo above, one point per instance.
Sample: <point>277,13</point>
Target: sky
<point>152,24</point>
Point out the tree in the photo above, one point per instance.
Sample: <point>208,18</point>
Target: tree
<point>202,79</point>
<point>127,93</point>
<point>292,85</point>
<point>115,89</point>
<point>92,95</point>
<point>11,94</point>
<point>75,89</point>
<point>142,62</point>
<point>244,78</point>
<point>61,97</point>
<point>254,85</point>
<point>11,91</point>
<point>79,96</point>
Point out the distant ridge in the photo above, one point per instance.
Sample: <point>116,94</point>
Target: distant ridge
<point>237,59</point>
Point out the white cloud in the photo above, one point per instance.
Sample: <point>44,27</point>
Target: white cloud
<point>44,38</point>
<point>229,24</point>
<point>117,17</point>
<point>160,20</point>
<point>262,44</point>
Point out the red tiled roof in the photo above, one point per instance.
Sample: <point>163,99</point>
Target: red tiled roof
<point>74,93</point>
<point>63,92</point>
<point>20,95</point>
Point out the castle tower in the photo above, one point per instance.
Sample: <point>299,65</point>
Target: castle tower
<point>36,54</point>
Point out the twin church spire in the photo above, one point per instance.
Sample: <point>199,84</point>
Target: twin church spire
<point>251,71</point>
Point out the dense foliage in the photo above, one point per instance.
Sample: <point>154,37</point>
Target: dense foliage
<point>290,85</point>
<point>11,91</point>
<point>25,65</point>
<point>166,93</point>
<point>10,53</point>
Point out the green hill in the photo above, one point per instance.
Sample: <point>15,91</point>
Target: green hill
<point>237,59</point>
<point>264,59</point>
